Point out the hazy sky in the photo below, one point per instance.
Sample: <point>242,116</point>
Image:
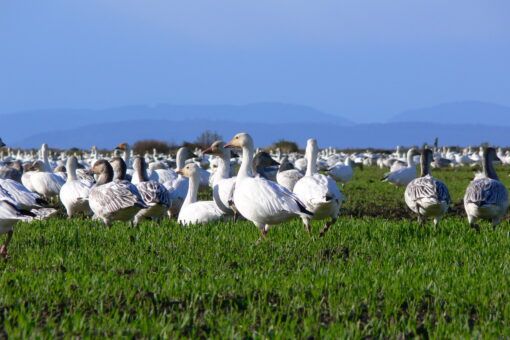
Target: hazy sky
<point>365,60</point>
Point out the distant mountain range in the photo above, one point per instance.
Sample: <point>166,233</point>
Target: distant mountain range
<point>267,122</point>
<point>467,112</point>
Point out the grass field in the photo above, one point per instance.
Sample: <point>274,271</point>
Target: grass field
<point>376,274</point>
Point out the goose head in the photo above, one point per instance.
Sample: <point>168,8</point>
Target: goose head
<point>140,167</point>
<point>311,146</point>
<point>119,168</point>
<point>217,149</point>
<point>72,163</point>
<point>122,146</point>
<point>241,140</point>
<point>37,166</point>
<point>103,170</point>
<point>190,170</point>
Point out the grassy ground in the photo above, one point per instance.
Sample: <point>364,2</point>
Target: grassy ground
<point>380,276</point>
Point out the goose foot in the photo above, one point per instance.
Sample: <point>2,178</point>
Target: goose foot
<point>475,226</point>
<point>3,252</point>
<point>308,227</point>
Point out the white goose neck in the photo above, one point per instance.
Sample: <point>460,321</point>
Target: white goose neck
<point>311,157</point>
<point>247,163</point>
<point>192,195</point>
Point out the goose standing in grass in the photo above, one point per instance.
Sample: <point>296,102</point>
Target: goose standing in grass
<point>404,176</point>
<point>193,211</point>
<point>259,200</point>
<point>287,175</point>
<point>425,195</point>
<point>342,172</point>
<point>486,197</point>
<point>222,183</point>
<point>113,201</point>
<point>10,214</point>
<point>74,194</point>
<point>178,187</point>
<point>153,193</point>
<point>320,193</point>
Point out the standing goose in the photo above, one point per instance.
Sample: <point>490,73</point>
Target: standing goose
<point>74,194</point>
<point>178,187</point>
<point>342,172</point>
<point>403,176</point>
<point>486,197</point>
<point>222,183</point>
<point>113,201</point>
<point>153,193</point>
<point>45,183</point>
<point>193,211</point>
<point>427,196</point>
<point>320,193</point>
<point>259,200</point>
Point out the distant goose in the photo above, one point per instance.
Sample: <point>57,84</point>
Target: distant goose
<point>486,197</point>
<point>153,193</point>
<point>427,196</point>
<point>193,211</point>
<point>222,183</point>
<point>342,172</point>
<point>113,201</point>
<point>318,192</point>
<point>44,183</point>
<point>263,202</point>
<point>287,175</point>
<point>261,162</point>
<point>403,176</point>
<point>74,194</point>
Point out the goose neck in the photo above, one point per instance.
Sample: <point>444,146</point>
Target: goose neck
<point>247,163</point>
<point>192,195</point>
<point>311,157</point>
<point>488,168</point>
<point>425,164</point>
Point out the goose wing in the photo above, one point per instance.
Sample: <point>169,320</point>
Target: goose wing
<point>114,196</point>
<point>485,191</point>
<point>153,192</point>
<point>427,187</point>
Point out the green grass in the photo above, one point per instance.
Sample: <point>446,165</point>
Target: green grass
<point>372,277</point>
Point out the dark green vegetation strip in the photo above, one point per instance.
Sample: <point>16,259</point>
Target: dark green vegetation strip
<point>368,277</point>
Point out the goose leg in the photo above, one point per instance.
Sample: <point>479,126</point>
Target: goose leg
<point>472,223</point>
<point>495,223</point>
<point>327,225</point>
<point>3,250</point>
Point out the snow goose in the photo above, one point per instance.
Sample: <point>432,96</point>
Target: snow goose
<point>74,194</point>
<point>320,193</point>
<point>222,183</point>
<point>403,176</point>
<point>24,198</point>
<point>178,187</point>
<point>193,211</point>
<point>287,175</point>
<point>425,195</point>
<point>153,193</point>
<point>44,183</point>
<point>486,197</point>
<point>342,172</point>
<point>10,214</point>
<point>263,202</point>
<point>113,201</point>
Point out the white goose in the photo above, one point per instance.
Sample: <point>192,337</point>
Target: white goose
<point>263,202</point>
<point>222,183</point>
<point>193,211</point>
<point>178,187</point>
<point>342,172</point>
<point>113,201</point>
<point>486,197</point>
<point>425,195</point>
<point>74,194</point>
<point>403,176</point>
<point>320,193</point>
<point>153,193</point>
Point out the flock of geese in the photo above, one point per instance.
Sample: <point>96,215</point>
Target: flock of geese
<point>268,188</point>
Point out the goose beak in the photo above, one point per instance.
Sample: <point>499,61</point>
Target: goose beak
<point>179,172</point>
<point>209,149</point>
<point>229,145</point>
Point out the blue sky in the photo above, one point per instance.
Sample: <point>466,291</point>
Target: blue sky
<point>366,60</point>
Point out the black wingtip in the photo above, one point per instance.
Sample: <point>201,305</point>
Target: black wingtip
<point>41,201</point>
<point>303,209</point>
